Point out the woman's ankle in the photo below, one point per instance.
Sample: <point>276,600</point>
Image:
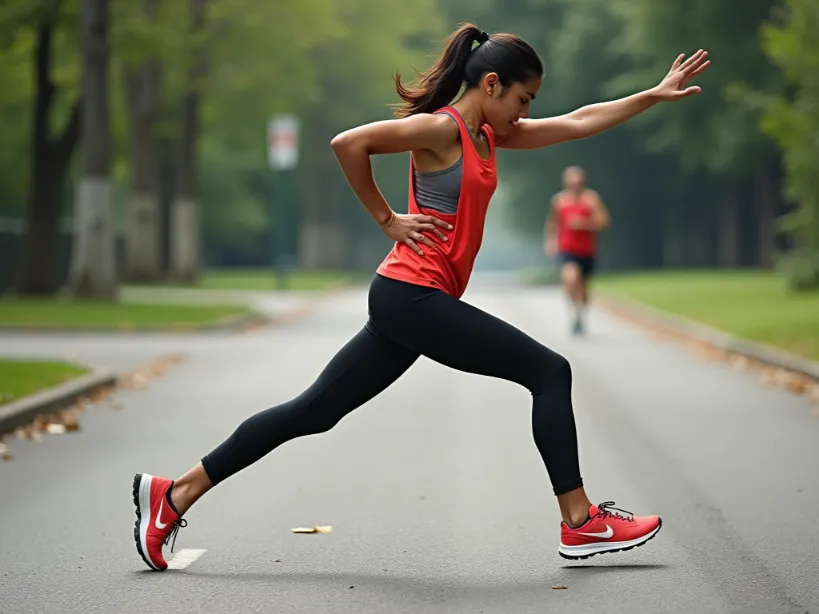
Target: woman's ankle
<point>577,519</point>
<point>181,499</point>
<point>189,488</point>
<point>574,507</point>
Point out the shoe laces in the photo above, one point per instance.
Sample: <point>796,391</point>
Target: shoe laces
<point>177,524</point>
<point>609,505</point>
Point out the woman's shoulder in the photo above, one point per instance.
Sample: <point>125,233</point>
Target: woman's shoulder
<point>441,122</point>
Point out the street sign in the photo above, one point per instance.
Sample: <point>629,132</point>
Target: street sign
<point>283,142</point>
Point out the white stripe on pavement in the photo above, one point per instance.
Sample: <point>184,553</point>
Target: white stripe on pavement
<point>184,557</point>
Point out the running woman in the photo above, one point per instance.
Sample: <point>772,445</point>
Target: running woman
<point>576,215</point>
<point>415,305</point>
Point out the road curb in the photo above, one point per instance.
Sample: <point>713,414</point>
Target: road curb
<point>253,320</point>
<point>23,411</point>
<point>230,323</point>
<point>642,314</point>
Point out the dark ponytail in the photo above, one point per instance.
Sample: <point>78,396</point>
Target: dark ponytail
<point>509,56</point>
<point>441,83</point>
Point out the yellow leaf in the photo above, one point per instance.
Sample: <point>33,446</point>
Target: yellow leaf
<point>325,529</point>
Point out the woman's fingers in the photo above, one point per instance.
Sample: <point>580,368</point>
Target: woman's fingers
<point>694,61</point>
<point>699,69</point>
<point>433,229</point>
<point>409,242</point>
<point>428,219</point>
<point>417,236</point>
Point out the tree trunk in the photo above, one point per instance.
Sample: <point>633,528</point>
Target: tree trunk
<point>696,223</point>
<point>765,204</point>
<point>728,248</point>
<point>142,214</point>
<point>93,262</point>
<point>185,209</point>
<point>673,234</point>
<point>50,158</point>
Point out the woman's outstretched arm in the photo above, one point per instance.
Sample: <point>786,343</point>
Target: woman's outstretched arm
<point>595,118</point>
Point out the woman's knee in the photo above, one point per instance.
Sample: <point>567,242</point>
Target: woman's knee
<point>571,274</point>
<point>311,415</point>
<point>552,369</point>
<point>298,417</point>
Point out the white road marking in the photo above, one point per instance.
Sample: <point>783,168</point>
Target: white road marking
<point>184,557</point>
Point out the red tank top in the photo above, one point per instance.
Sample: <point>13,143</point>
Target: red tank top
<point>448,265</point>
<point>571,240</point>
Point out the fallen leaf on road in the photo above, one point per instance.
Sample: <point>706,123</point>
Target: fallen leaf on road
<point>100,394</point>
<point>133,381</point>
<point>771,376</point>
<point>70,419</point>
<point>312,529</point>
<point>139,378</point>
<point>40,423</point>
<point>709,352</point>
<point>23,432</point>
<point>782,377</point>
<point>798,385</point>
<point>5,453</point>
<point>768,377</point>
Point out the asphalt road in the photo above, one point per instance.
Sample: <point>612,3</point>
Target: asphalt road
<point>435,492</point>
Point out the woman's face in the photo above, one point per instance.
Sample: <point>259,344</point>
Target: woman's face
<point>504,106</point>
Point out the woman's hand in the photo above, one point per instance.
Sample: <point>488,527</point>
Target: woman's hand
<point>409,229</point>
<point>675,85</point>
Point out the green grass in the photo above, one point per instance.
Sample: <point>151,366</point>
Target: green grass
<point>50,313</point>
<point>265,279</point>
<point>20,378</point>
<point>754,305</point>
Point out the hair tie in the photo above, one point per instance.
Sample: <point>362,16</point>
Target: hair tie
<point>482,37</point>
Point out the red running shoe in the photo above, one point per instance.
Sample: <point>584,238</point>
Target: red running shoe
<point>606,532</point>
<point>157,520</point>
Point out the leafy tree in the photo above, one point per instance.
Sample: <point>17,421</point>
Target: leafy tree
<point>41,27</point>
<point>792,42</point>
<point>93,259</point>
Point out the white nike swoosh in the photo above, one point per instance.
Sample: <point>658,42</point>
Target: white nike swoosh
<point>605,534</point>
<point>162,525</point>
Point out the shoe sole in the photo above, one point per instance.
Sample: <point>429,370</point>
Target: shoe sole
<point>621,547</point>
<point>142,501</point>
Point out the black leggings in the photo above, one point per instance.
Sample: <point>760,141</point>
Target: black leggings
<point>407,321</point>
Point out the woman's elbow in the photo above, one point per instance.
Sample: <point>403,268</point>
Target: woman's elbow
<point>340,141</point>
<point>349,142</point>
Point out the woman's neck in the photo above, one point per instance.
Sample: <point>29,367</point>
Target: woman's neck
<point>471,113</point>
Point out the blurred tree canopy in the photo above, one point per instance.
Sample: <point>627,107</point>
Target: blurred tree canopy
<point>727,178</point>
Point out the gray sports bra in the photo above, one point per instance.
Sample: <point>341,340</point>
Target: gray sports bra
<point>440,190</point>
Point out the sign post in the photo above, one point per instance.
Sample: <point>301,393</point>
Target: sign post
<point>283,157</point>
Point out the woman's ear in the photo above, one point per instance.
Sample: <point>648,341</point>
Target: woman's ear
<point>491,84</point>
